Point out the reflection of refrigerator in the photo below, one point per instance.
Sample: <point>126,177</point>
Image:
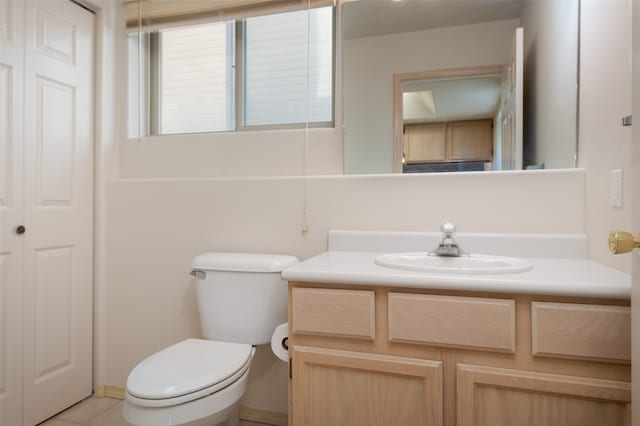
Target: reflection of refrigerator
<point>512,106</point>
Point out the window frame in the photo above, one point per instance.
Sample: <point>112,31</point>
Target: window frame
<point>152,49</point>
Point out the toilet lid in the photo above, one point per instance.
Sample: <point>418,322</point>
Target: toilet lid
<point>187,367</point>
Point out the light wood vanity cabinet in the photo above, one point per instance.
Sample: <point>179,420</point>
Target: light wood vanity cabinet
<point>420,357</point>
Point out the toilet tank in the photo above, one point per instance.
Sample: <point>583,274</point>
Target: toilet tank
<point>241,296</point>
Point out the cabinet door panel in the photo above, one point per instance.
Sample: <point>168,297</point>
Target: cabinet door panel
<point>334,312</point>
<point>465,322</point>
<point>500,397</point>
<point>333,387</point>
<point>576,330</point>
<point>424,143</point>
<point>470,140</point>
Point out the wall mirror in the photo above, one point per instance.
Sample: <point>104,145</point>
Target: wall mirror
<point>436,85</point>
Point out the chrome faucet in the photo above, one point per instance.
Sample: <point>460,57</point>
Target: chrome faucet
<point>448,247</point>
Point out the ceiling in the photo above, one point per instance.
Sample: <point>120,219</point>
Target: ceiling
<point>451,100</point>
<point>366,18</point>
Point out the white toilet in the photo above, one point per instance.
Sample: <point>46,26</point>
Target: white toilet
<point>241,300</point>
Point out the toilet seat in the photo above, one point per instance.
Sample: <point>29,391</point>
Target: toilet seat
<point>211,409</point>
<point>186,371</point>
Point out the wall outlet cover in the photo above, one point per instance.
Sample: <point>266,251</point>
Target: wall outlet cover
<point>615,192</point>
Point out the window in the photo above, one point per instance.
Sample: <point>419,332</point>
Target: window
<point>277,69</point>
<point>270,71</point>
<point>195,79</point>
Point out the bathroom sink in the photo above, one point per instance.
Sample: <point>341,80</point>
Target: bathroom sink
<point>468,264</point>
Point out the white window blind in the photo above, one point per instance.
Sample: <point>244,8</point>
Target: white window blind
<point>158,14</point>
<point>278,61</point>
<point>196,79</point>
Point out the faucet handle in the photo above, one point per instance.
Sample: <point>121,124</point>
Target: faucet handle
<point>448,228</point>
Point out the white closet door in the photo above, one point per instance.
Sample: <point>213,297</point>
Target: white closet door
<point>58,243</point>
<point>11,211</point>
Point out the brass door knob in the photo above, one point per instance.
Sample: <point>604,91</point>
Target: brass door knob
<point>622,242</point>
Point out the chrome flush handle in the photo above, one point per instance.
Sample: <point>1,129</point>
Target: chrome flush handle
<point>200,275</point>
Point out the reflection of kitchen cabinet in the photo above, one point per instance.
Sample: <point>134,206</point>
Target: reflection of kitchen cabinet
<point>425,142</point>
<point>470,140</point>
<point>455,141</point>
<point>371,355</point>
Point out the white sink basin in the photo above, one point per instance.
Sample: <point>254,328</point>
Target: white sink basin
<point>469,264</point>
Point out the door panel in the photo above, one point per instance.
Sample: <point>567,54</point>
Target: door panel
<point>55,141</point>
<point>53,322</point>
<point>5,21</point>
<point>11,211</point>
<point>6,103</point>
<point>58,141</point>
<point>55,36</point>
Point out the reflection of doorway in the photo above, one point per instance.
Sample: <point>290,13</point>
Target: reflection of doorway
<point>444,136</point>
<point>445,120</point>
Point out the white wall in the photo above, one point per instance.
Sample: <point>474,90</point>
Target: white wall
<point>258,153</point>
<point>605,97</point>
<point>156,227</point>
<point>369,65</point>
<point>109,129</point>
<point>551,72</point>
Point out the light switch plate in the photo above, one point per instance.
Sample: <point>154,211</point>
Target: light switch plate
<point>615,194</point>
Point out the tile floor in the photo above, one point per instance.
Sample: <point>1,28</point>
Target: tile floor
<point>99,412</point>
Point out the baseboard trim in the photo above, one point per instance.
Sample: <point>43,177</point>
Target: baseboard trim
<point>246,413</point>
<point>261,416</point>
<point>106,391</point>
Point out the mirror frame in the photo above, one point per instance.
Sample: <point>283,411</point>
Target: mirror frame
<point>400,78</point>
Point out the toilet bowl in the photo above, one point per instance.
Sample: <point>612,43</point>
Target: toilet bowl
<point>241,299</point>
<point>181,384</point>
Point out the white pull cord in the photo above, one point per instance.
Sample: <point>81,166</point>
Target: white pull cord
<point>305,218</point>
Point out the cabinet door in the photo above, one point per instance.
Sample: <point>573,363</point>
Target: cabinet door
<point>333,387</point>
<point>500,397</point>
<point>470,140</point>
<point>424,143</point>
